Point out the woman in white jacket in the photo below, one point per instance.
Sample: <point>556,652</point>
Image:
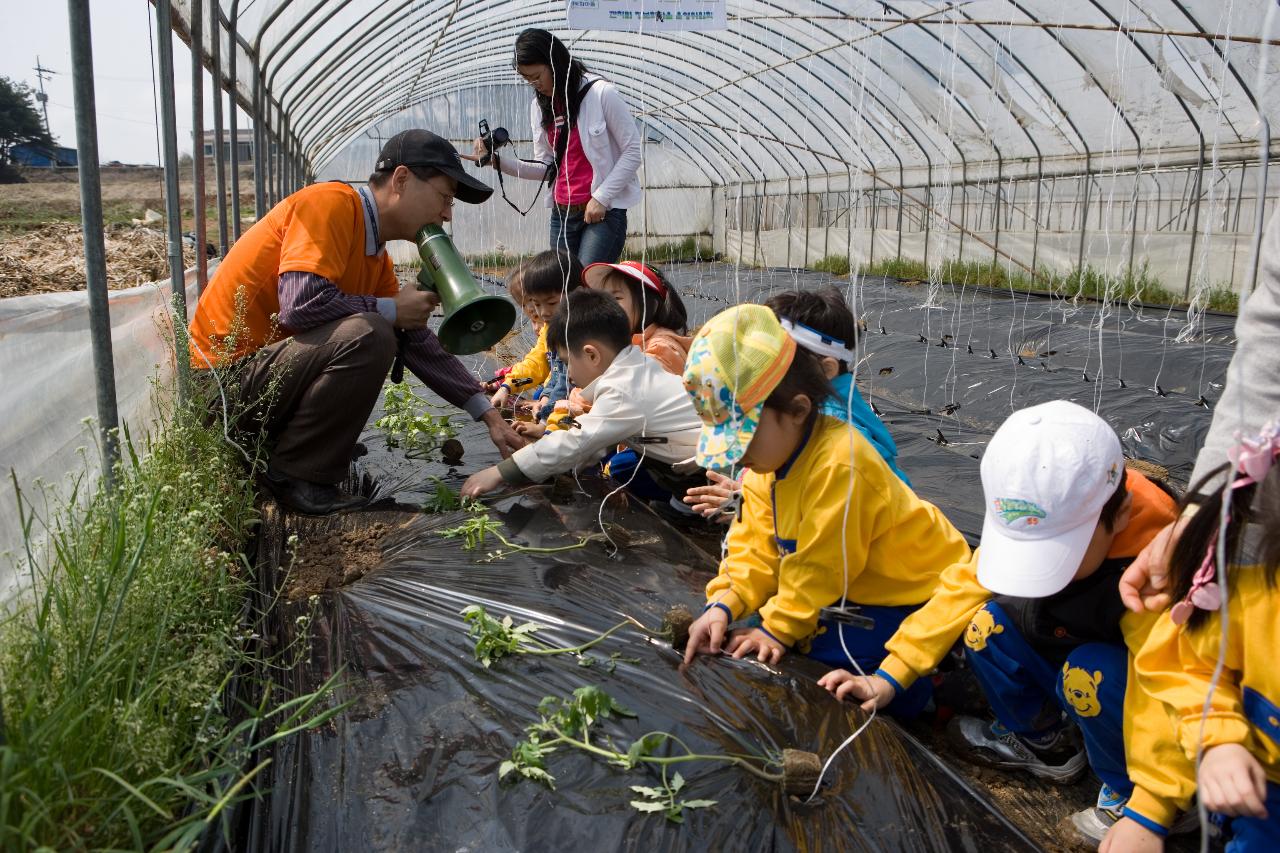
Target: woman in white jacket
<point>585,137</point>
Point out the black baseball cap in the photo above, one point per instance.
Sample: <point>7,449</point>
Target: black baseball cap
<point>419,147</point>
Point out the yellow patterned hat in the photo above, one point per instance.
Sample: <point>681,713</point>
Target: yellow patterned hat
<point>734,364</point>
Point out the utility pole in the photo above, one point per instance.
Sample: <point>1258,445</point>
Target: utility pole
<point>41,74</point>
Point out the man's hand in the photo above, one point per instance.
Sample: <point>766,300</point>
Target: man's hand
<point>414,307</point>
<point>706,634</point>
<point>595,212</point>
<point>1144,583</point>
<point>871,690</point>
<point>1232,782</point>
<point>1128,836</point>
<point>482,483</point>
<point>767,649</point>
<point>710,499</point>
<point>503,436</point>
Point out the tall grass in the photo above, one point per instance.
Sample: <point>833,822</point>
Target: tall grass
<point>115,663</point>
<point>1088,282</point>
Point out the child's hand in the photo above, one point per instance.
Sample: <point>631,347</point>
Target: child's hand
<point>1232,782</point>
<point>500,397</point>
<point>706,633</point>
<point>871,690</point>
<point>482,482</point>
<point>767,649</point>
<point>1127,835</point>
<point>530,430</point>
<point>711,498</point>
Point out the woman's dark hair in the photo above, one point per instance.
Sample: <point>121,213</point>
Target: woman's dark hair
<point>668,312</point>
<point>804,376</point>
<point>585,317</point>
<point>539,47</point>
<point>552,271</point>
<point>823,310</point>
<point>1258,503</point>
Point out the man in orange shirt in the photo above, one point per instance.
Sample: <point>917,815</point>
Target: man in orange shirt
<point>307,306</point>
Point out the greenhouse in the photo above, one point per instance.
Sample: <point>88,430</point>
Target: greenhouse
<point>653,424</point>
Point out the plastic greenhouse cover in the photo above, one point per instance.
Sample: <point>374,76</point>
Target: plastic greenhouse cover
<point>413,763</point>
<point>957,76</point>
<point>49,391</point>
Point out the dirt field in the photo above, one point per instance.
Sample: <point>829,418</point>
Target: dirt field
<point>41,247</point>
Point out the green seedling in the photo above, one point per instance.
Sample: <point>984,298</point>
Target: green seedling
<point>664,799</point>
<point>475,529</point>
<point>497,638</point>
<point>445,499</point>
<point>569,723</point>
<point>405,424</point>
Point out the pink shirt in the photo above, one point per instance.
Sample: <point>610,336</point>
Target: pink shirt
<point>573,184</point>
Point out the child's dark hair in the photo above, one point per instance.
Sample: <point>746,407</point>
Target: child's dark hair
<point>586,317</point>
<point>823,310</point>
<point>1111,509</point>
<point>804,376</point>
<point>668,312</point>
<point>1258,503</point>
<point>551,271</point>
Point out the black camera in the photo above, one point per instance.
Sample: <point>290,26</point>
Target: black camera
<point>492,139</point>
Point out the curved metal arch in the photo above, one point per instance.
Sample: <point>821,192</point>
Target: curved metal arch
<point>694,149</point>
<point>708,139</point>
<point>649,84</point>
<point>886,105</point>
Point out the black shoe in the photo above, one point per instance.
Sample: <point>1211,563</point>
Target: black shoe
<point>311,498</point>
<point>1058,757</point>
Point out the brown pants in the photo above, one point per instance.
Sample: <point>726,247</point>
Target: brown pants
<point>312,393</point>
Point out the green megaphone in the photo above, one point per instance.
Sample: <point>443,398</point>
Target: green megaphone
<point>473,320</point>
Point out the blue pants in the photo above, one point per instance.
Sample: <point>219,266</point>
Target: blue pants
<point>1026,692</point>
<point>620,466</point>
<point>1250,835</point>
<point>598,242</point>
<point>867,648</point>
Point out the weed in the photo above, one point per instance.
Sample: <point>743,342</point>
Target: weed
<point>115,664</point>
<point>1090,283</point>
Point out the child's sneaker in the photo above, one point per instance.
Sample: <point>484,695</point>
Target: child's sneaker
<point>1092,824</point>
<point>1055,756</point>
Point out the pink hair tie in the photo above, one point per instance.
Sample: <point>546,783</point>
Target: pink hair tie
<point>1251,459</point>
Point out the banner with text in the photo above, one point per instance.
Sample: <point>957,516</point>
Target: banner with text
<point>647,15</point>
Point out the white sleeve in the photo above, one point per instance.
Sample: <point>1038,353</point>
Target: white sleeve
<point>621,127</point>
<point>543,155</point>
<point>613,418</point>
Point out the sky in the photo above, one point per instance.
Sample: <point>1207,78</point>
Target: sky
<point>127,108</point>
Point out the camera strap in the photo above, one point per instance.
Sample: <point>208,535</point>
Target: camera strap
<point>553,168</point>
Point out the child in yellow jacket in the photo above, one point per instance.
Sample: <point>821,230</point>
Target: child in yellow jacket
<point>546,279</point>
<point>1236,736</point>
<point>824,522</point>
<point>1049,639</point>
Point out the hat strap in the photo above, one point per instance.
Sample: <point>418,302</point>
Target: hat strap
<point>816,342</point>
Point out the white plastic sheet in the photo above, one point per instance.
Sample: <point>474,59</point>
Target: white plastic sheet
<point>48,391</point>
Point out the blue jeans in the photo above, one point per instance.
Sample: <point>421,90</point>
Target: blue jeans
<point>867,648</point>
<point>1027,693</point>
<point>1250,834</point>
<point>598,242</point>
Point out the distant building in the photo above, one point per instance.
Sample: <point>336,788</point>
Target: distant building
<point>244,144</point>
<point>43,156</point>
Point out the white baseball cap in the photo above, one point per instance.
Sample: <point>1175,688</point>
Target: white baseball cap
<point>1047,473</point>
